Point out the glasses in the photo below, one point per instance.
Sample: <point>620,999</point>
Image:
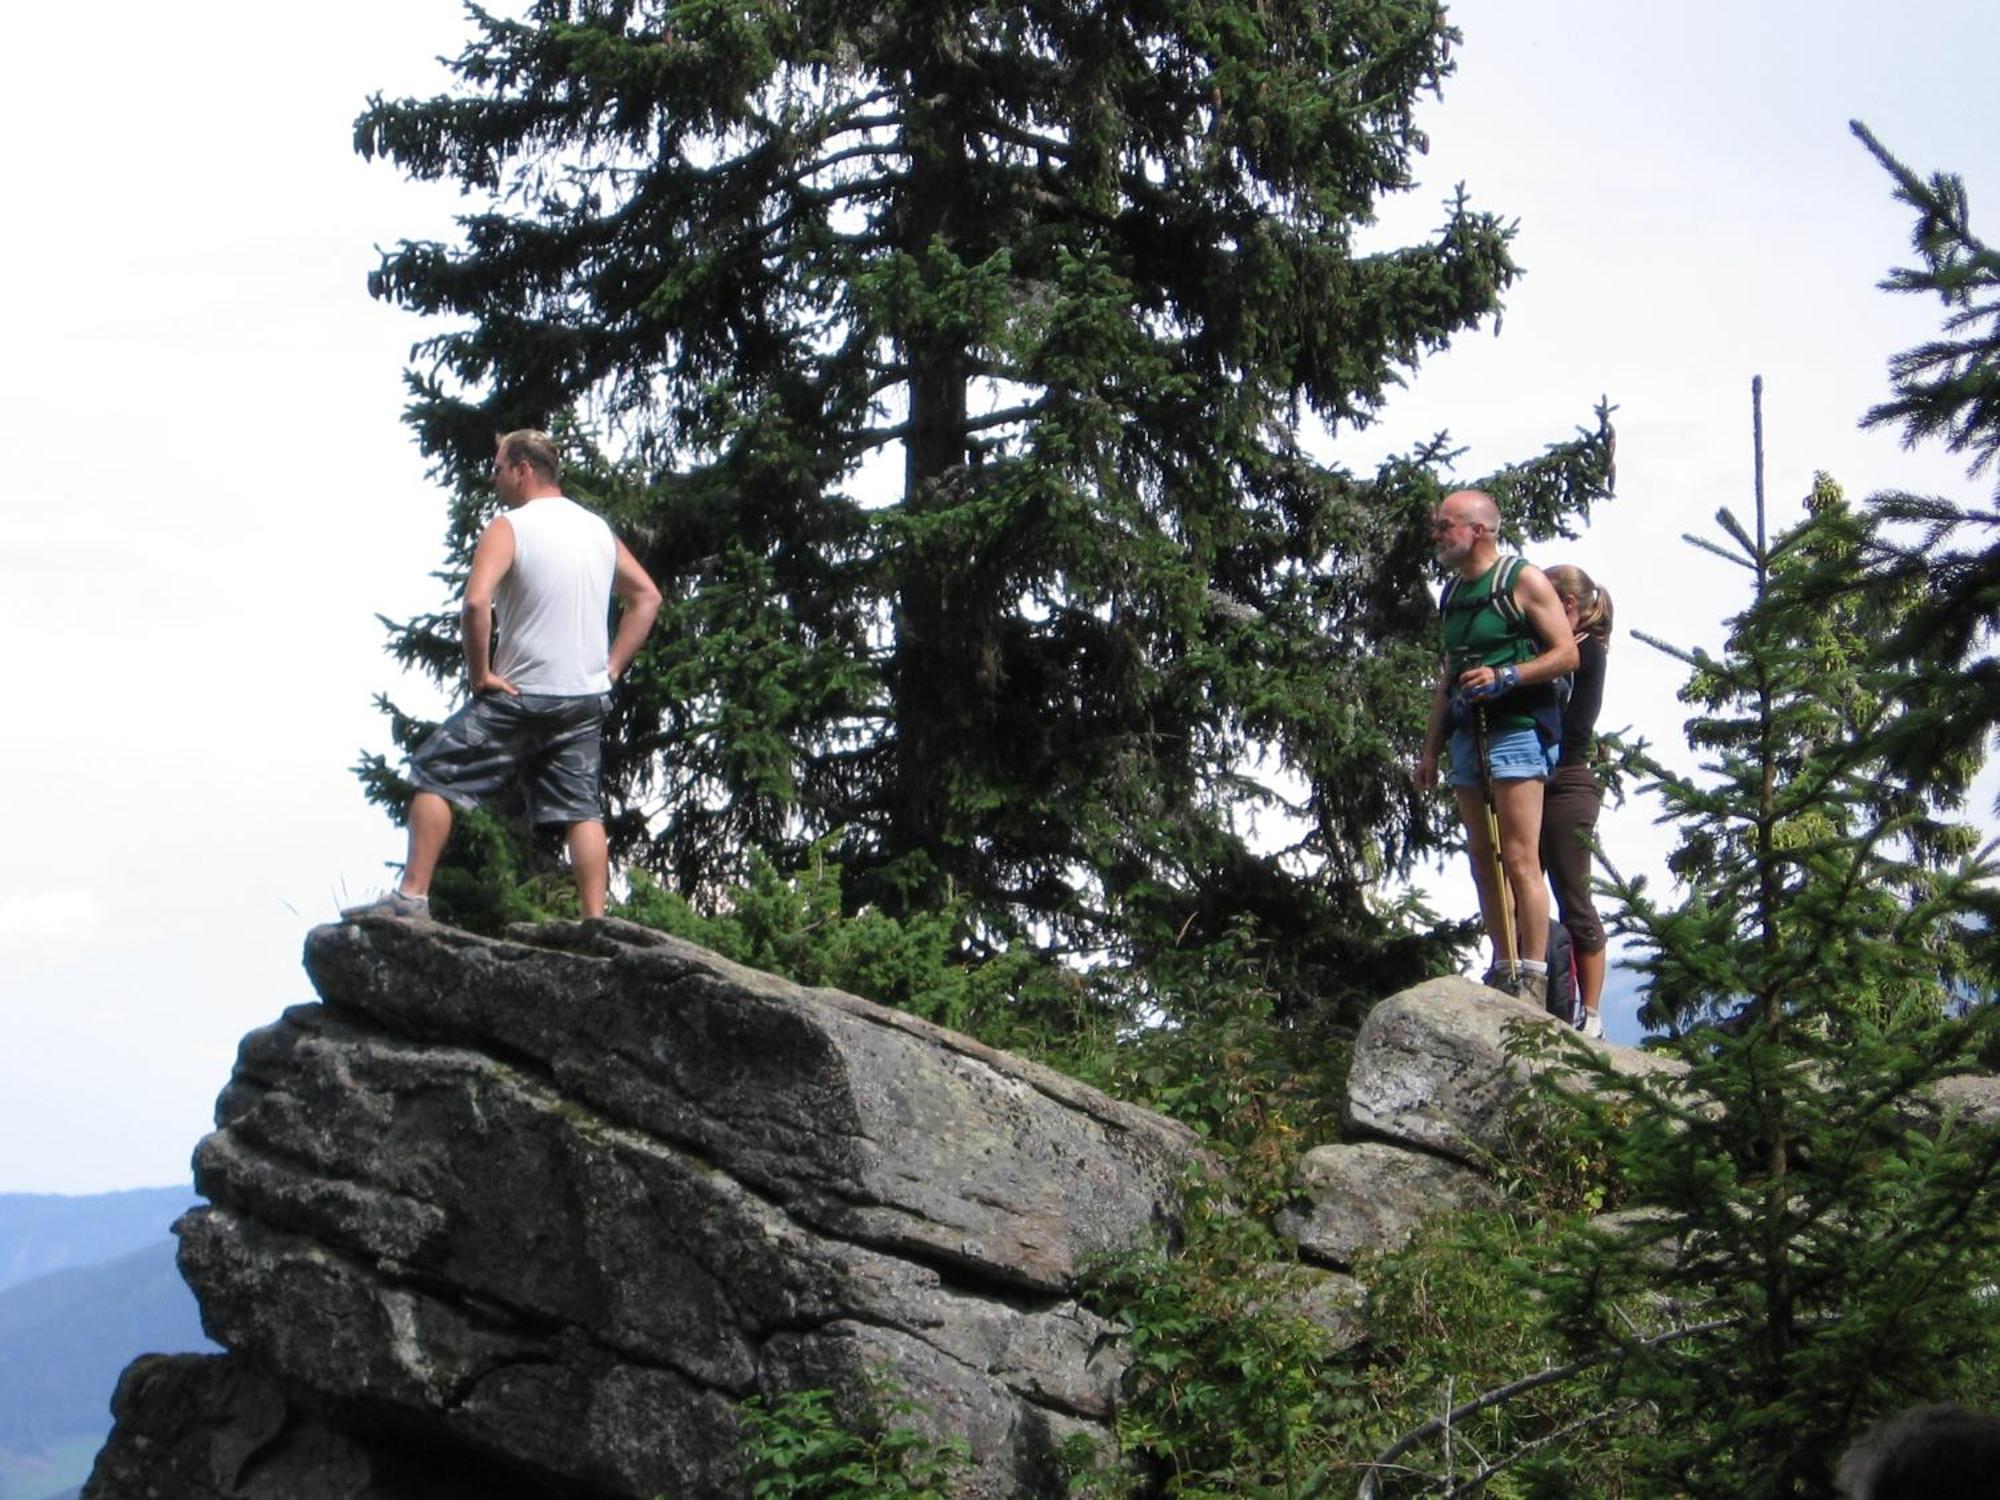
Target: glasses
<point>1444,523</point>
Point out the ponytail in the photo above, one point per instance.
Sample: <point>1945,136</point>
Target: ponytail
<point>1593,604</point>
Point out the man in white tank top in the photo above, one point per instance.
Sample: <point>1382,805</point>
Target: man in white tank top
<point>547,569</point>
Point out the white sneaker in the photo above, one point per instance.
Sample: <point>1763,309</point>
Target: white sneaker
<point>391,903</point>
<point>1593,1025</point>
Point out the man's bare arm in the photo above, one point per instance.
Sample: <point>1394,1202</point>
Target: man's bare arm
<point>640,597</point>
<point>1434,734</point>
<point>1543,607</point>
<point>490,561</point>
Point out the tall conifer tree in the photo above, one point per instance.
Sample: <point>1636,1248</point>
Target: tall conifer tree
<point>1817,1238</point>
<point>949,366</point>
<point>1810,861</point>
<point>1946,390</point>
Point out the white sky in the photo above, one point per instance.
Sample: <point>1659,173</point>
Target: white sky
<point>215,496</point>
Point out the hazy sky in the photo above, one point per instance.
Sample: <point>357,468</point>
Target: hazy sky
<point>215,495</point>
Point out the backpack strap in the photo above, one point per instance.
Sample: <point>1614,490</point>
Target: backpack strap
<point>1501,597</point>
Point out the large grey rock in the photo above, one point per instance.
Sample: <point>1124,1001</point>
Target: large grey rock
<point>1431,1069</point>
<point>536,1217</point>
<point>1965,1098</point>
<point>1362,1196</point>
<point>560,1207</point>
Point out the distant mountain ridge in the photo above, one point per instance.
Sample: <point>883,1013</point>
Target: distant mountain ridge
<point>86,1284</point>
<point>45,1232</point>
<point>65,1336</point>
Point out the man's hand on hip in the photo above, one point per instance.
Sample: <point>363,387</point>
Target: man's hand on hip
<point>493,682</point>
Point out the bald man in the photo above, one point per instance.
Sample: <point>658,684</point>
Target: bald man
<point>1506,645</point>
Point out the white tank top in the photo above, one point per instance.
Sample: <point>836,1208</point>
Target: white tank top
<point>554,605</point>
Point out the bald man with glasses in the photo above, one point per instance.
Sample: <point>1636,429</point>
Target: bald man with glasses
<point>1507,646</point>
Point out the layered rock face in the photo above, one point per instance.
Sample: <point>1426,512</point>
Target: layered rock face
<point>534,1218</point>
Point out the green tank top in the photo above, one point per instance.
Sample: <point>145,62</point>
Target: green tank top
<point>1480,632</point>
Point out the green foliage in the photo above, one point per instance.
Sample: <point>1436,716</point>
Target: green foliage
<point>1814,1249</point>
<point>1946,389</point>
<point>1836,1283</point>
<point>950,367</point>
<point>1549,1165</point>
<point>493,876</point>
<point>1450,1319</point>
<point>1215,1053</point>
<point>1232,1390</point>
<point>797,1446</point>
<point>796,926</point>
<point>1820,880</point>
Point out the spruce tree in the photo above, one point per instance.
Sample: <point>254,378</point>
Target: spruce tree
<point>1801,805</point>
<point>1818,1231</point>
<point>953,369</point>
<point>1816,1234</point>
<point>1945,390</point>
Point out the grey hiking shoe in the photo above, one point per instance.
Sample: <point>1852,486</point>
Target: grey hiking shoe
<point>1502,978</point>
<point>1532,987</point>
<point>391,903</point>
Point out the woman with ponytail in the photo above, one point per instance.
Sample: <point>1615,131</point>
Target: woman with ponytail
<point>1573,796</point>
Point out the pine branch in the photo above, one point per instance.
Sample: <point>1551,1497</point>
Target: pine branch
<point>1500,1394</point>
<point>1722,552</point>
<point>1533,1445</point>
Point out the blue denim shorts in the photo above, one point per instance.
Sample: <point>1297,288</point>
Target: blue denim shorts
<point>1512,755</point>
<point>549,748</point>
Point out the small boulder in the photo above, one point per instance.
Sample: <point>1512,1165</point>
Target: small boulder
<point>1364,1196</point>
<point>1431,1069</point>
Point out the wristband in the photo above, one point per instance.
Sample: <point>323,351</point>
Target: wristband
<point>1505,680</point>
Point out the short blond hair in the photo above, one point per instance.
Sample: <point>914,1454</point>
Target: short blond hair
<point>536,449</point>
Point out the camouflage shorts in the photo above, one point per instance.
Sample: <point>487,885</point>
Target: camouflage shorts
<point>551,747</point>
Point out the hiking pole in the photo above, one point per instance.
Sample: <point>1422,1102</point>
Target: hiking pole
<point>1510,945</point>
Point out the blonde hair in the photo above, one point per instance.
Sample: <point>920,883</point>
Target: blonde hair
<point>1593,604</point>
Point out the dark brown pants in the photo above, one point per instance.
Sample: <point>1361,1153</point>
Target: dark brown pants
<point>1569,819</point>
